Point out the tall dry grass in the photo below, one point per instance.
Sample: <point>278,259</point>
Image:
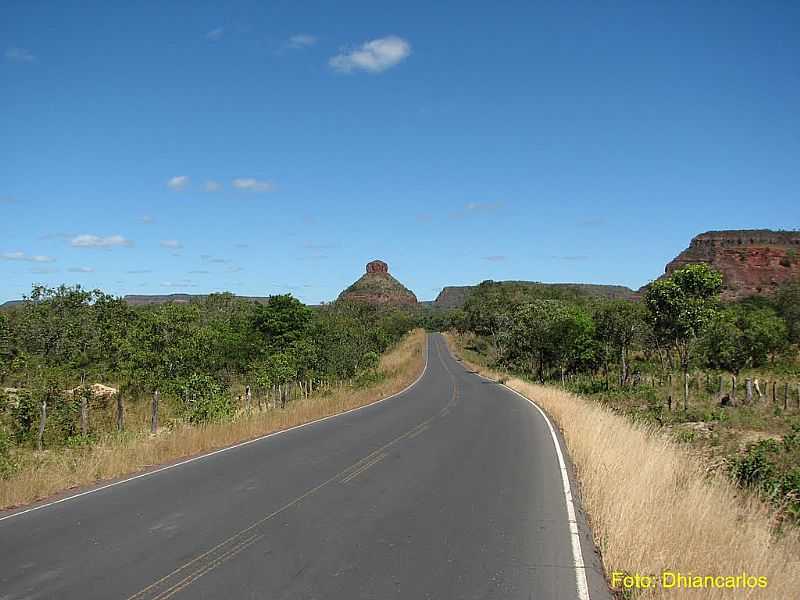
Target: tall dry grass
<point>653,508</point>
<point>48,472</point>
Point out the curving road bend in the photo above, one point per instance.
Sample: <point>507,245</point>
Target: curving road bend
<point>451,489</point>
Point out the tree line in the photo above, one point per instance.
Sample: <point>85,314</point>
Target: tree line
<point>59,339</point>
<point>680,323</point>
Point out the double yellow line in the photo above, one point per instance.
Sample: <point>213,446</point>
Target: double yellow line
<point>186,574</point>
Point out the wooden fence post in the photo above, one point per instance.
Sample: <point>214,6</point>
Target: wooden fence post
<point>720,386</point>
<point>154,414</point>
<point>84,414</point>
<point>685,391</point>
<point>774,392</point>
<point>785,396</point>
<point>733,391</point>
<point>248,398</point>
<point>120,414</point>
<point>42,422</point>
<point>749,387</point>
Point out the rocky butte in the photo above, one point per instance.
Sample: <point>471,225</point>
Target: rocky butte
<point>376,286</point>
<point>752,261</point>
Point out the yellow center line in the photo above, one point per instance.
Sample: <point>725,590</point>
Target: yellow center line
<point>233,545</point>
<point>358,472</point>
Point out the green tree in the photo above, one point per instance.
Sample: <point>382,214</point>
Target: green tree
<point>681,307</point>
<point>788,304</point>
<point>282,321</point>
<point>620,323</point>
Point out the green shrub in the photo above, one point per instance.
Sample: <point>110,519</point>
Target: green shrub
<point>8,465</point>
<point>771,468</point>
<point>205,400</point>
<point>24,418</point>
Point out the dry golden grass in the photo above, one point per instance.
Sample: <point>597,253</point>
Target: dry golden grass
<point>653,508</point>
<point>49,472</point>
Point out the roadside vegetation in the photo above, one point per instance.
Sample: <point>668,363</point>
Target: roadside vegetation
<point>653,505</point>
<point>710,388</point>
<point>95,389</point>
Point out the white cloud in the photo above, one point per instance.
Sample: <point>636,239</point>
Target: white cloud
<point>44,270</point>
<point>171,244</point>
<point>301,40</point>
<point>212,186</point>
<point>81,270</point>
<point>186,283</point>
<point>253,185</point>
<point>139,271</point>
<point>178,183</point>
<point>374,56</point>
<point>494,258</point>
<point>26,257</point>
<point>95,241</point>
<point>215,34</point>
<point>19,55</point>
<point>479,206</point>
<point>148,220</point>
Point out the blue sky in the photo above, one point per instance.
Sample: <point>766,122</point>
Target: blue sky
<point>277,147</point>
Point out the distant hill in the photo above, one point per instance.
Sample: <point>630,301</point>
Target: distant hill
<point>456,296</point>
<point>377,287</point>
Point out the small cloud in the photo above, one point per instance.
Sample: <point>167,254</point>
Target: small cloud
<point>139,271</point>
<point>253,185</point>
<point>494,258</point>
<point>374,56</point>
<point>148,220</point>
<point>199,272</point>
<point>186,283</point>
<point>215,35</point>
<point>233,269</point>
<point>212,186</point>
<point>171,244</point>
<point>19,55</point>
<point>476,207</point>
<point>81,270</point>
<point>219,261</point>
<point>570,258</point>
<point>26,257</point>
<point>95,241</point>
<point>300,41</point>
<point>44,270</point>
<point>178,183</point>
<point>482,206</point>
<point>241,245</point>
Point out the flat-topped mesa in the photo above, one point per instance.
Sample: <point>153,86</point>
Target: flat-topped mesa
<point>376,286</point>
<point>752,261</point>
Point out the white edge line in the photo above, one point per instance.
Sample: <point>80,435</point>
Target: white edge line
<point>226,449</point>
<point>577,555</point>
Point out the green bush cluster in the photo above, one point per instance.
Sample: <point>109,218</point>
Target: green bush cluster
<point>772,467</point>
<point>205,400</point>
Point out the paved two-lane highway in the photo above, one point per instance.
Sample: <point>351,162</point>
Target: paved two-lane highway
<point>449,490</point>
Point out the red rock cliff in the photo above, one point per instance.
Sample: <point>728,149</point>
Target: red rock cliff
<point>752,262</point>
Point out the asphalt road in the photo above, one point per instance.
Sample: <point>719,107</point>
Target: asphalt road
<point>451,489</point>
